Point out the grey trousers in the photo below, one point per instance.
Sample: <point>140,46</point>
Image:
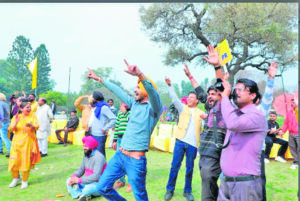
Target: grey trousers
<point>241,191</point>
<point>210,171</point>
<point>293,144</point>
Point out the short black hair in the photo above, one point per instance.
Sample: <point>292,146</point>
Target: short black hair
<point>32,95</point>
<point>211,87</point>
<point>110,100</point>
<point>273,112</point>
<point>74,111</point>
<point>253,88</point>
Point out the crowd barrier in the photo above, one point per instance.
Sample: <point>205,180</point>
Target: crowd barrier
<point>162,137</point>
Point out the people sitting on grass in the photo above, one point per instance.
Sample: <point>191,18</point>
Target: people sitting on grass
<point>24,152</point>
<point>82,184</point>
<point>120,128</point>
<point>71,126</point>
<point>271,138</point>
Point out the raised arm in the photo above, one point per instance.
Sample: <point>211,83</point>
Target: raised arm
<point>267,98</point>
<point>78,101</point>
<point>175,100</point>
<point>151,91</point>
<point>248,122</point>
<point>213,58</point>
<point>201,95</point>
<point>113,88</point>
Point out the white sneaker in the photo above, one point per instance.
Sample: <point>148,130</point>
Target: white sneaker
<point>267,160</point>
<point>14,182</point>
<point>294,166</point>
<point>24,184</point>
<point>280,159</point>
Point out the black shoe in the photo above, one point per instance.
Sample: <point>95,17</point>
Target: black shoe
<point>169,195</point>
<point>84,198</point>
<point>1,153</point>
<point>60,142</point>
<point>43,155</point>
<point>188,196</point>
<point>7,155</point>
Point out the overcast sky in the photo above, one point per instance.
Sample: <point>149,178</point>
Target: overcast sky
<point>93,35</point>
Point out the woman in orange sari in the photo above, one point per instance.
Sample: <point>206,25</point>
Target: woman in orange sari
<point>24,148</point>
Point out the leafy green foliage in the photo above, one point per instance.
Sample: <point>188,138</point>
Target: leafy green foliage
<point>258,33</point>
<point>44,83</point>
<point>15,73</point>
<point>59,98</point>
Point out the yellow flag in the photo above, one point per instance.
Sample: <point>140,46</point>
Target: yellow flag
<point>32,66</point>
<point>224,52</point>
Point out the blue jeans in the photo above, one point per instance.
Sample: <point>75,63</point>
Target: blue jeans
<point>101,143</point>
<point>119,140</point>
<point>117,167</point>
<point>4,137</point>
<point>82,189</point>
<point>180,149</point>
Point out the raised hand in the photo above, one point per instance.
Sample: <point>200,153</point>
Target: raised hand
<point>273,69</point>
<point>227,88</point>
<point>132,69</point>
<point>92,75</point>
<point>213,56</point>
<point>168,81</point>
<point>186,70</point>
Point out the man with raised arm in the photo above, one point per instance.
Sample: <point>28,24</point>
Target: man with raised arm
<point>130,159</point>
<point>246,131</point>
<point>214,131</point>
<point>187,141</point>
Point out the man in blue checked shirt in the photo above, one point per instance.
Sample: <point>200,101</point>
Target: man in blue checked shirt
<point>130,159</point>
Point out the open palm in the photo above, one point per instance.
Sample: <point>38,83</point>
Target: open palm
<point>213,56</point>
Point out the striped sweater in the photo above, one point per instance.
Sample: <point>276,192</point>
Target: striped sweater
<point>121,124</point>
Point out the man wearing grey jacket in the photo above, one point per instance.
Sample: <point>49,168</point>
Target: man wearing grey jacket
<point>82,184</point>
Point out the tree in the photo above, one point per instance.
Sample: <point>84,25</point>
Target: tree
<point>257,33</point>
<point>44,83</point>
<point>89,86</point>
<point>59,98</point>
<point>4,82</point>
<point>186,88</point>
<point>19,76</point>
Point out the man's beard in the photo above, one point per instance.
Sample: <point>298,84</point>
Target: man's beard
<point>88,152</point>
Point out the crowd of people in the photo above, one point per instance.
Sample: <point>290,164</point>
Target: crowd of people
<point>230,136</point>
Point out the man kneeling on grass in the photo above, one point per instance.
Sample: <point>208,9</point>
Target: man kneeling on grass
<point>83,182</point>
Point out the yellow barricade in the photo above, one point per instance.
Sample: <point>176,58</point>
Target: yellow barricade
<point>77,137</point>
<point>276,147</point>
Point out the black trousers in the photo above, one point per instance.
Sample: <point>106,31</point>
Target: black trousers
<point>269,144</point>
<point>210,171</point>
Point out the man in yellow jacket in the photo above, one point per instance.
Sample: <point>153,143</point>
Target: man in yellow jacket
<point>187,140</point>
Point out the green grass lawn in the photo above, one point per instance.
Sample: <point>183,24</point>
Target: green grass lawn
<point>49,177</point>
